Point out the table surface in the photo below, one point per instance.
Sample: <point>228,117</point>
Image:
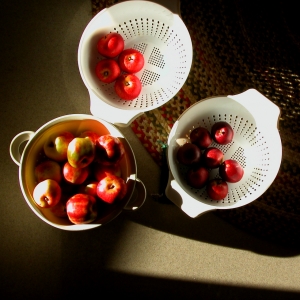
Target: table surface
<point>155,250</point>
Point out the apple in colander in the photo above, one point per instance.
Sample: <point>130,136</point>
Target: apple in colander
<point>231,171</point>
<point>201,137</point>
<point>222,133</point>
<point>107,70</point>
<point>110,45</point>
<point>131,60</point>
<point>128,86</point>
<point>188,154</point>
<point>217,189</point>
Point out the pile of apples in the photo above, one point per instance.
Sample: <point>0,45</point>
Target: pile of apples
<point>200,158</point>
<point>75,175</point>
<point>119,65</point>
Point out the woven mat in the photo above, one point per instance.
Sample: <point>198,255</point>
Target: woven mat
<point>240,45</point>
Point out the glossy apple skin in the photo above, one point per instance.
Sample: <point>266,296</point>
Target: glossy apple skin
<point>48,169</point>
<point>47,193</point>
<point>111,188</point>
<point>222,133</point>
<point>107,70</point>
<point>188,154</point>
<point>100,171</point>
<point>131,60</point>
<point>82,209</point>
<point>212,157</point>
<point>197,177</point>
<point>217,189</point>
<point>110,45</point>
<point>93,136</point>
<point>231,171</point>
<point>128,86</point>
<point>81,152</point>
<point>201,137</point>
<point>57,145</point>
<point>109,150</point>
<point>75,175</point>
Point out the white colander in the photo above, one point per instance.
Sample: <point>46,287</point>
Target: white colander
<point>165,43</point>
<point>256,146</point>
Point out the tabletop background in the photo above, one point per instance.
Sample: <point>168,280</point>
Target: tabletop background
<point>154,251</point>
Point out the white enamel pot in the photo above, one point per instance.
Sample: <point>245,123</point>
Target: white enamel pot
<point>76,123</point>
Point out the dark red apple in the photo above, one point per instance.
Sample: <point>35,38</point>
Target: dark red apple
<point>131,60</point>
<point>75,175</point>
<point>201,137</point>
<point>82,209</point>
<point>212,157</point>
<point>107,70</point>
<point>217,189</point>
<point>188,154</point>
<point>128,86</point>
<point>109,150</point>
<point>110,45</point>
<point>197,177</point>
<point>231,171</point>
<point>222,133</point>
<point>111,188</point>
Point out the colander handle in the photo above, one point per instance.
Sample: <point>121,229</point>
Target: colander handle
<point>139,196</point>
<point>266,113</point>
<point>185,202</point>
<point>114,115</point>
<point>14,148</point>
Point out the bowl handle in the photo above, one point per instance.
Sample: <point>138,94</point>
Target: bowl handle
<point>139,196</point>
<point>14,148</point>
<point>185,202</point>
<point>264,110</point>
<point>114,115</point>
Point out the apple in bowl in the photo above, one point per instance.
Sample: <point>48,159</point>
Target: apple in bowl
<point>33,154</point>
<point>110,45</point>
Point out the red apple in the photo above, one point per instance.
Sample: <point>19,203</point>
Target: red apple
<point>109,150</point>
<point>59,210</point>
<point>188,154</point>
<point>100,171</point>
<point>201,137</point>
<point>131,60</point>
<point>81,152</point>
<point>57,144</point>
<point>230,170</point>
<point>48,169</point>
<point>82,209</point>
<point>107,70</point>
<point>47,193</point>
<point>128,86</point>
<point>75,175</point>
<point>217,189</point>
<point>110,45</point>
<point>89,188</point>
<point>212,157</point>
<point>91,135</point>
<point>222,133</point>
<point>111,188</point>
<point>197,177</point>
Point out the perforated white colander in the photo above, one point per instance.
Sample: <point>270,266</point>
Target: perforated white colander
<point>256,146</point>
<point>165,43</point>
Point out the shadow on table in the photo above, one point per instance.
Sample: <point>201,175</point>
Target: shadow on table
<point>209,228</point>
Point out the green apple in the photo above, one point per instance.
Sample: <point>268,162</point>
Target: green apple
<point>57,144</point>
<point>81,152</point>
